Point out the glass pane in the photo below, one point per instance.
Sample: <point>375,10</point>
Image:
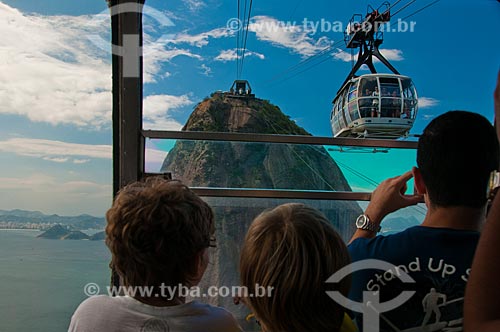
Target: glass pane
<point>368,104</point>
<point>367,85</point>
<point>408,88</point>
<point>234,216</point>
<point>390,98</point>
<point>409,109</point>
<point>353,110</point>
<point>303,167</point>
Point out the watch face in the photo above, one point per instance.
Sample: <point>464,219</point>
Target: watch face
<point>361,221</point>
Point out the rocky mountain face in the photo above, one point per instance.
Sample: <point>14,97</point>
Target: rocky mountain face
<point>252,165</point>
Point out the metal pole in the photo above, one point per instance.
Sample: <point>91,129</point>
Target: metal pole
<point>126,28</point>
<point>128,142</point>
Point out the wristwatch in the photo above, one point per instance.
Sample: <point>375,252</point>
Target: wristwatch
<point>364,223</point>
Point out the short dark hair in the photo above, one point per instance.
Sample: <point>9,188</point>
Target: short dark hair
<point>456,154</point>
<point>155,230</point>
<point>294,249</point>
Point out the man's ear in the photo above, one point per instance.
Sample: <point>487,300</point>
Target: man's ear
<point>419,181</point>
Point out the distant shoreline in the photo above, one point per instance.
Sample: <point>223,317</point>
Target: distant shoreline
<point>21,229</point>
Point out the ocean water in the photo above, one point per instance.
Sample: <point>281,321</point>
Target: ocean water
<point>42,281</point>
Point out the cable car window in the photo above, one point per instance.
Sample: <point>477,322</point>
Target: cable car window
<point>391,97</point>
<point>353,110</point>
<point>408,88</point>
<point>367,85</point>
<point>410,99</point>
<point>345,111</point>
<point>353,95</point>
<point>368,105</point>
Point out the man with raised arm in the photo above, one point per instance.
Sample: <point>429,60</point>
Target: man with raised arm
<point>482,301</point>
<point>456,154</point>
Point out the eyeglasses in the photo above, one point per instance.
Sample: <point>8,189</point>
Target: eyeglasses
<point>493,185</point>
<point>212,243</point>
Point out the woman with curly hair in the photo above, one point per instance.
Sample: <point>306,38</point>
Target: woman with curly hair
<point>158,233</point>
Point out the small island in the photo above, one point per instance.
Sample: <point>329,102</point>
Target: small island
<point>60,232</point>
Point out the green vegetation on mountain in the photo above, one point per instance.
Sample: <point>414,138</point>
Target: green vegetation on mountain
<point>250,165</point>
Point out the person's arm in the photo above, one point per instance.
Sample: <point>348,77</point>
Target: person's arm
<point>482,297</point>
<point>388,197</point>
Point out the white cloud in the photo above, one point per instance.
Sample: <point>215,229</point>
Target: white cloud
<point>155,156</point>
<point>426,102</point>
<point>206,70</point>
<point>343,55</point>
<point>389,54</point>
<point>157,55</point>
<point>55,151</point>
<point>50,73</point>
<point>231,55</point>
<point>56,159</point>
<point>194,5</point>
<point>49,194</point>
<point>157,109</point>
<point>154,160</point>
<point>80,161</point>
<point>201,39</point>
<point>45,183</point>
<point>295,38</point>
<point>392,54</point>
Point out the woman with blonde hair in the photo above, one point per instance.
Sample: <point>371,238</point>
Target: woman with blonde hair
<point>293,250</point>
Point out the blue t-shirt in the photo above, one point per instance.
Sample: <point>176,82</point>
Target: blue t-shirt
<point>438,259</point>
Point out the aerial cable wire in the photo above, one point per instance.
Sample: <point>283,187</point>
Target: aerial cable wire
<point>374,183</point>
<point>242,36</point>
<point>321,53</point>
<point>295,8</point>
<point>304,70</point>
<point>419,209</point>
<point>238,41</point>
<point>421,9</point>
<point>246,37</point>
<point>404,7</point>
<point>325,51</point>
<point>304,61</point>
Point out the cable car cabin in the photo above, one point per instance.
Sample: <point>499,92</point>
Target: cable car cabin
<point>375,106</point>
<point>240,89</point>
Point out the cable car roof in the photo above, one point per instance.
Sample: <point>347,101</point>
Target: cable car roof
<point>355,79</point>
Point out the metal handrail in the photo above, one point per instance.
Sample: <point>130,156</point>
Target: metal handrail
<point>278,139</point>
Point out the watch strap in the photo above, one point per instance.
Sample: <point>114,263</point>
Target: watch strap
<point>369,225</point>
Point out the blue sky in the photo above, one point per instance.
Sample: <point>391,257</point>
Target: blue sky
<point>55,85</point>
